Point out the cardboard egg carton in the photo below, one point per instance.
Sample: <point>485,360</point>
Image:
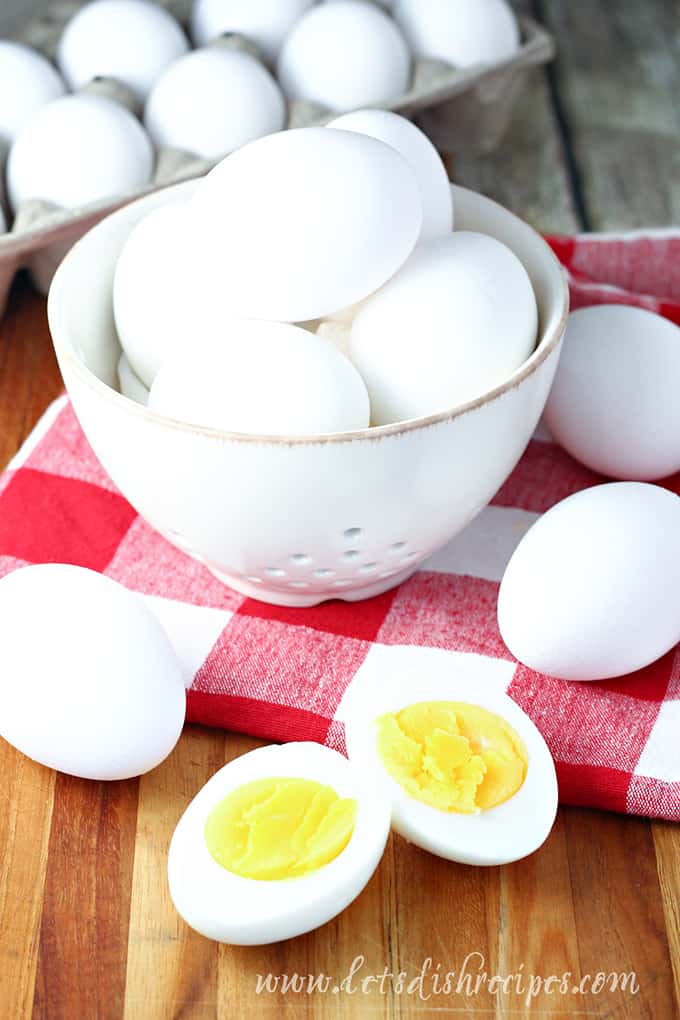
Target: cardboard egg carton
<point>460,109</point>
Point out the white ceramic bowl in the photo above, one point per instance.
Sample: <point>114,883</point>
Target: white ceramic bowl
<point>298,521</point>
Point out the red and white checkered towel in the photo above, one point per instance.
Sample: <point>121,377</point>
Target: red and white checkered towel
<point>282,673</point>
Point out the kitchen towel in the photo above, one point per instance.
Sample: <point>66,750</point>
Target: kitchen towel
<point>285,674</point>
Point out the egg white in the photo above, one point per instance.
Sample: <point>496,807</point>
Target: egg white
<point>241,911</point>
<point>502,834</point>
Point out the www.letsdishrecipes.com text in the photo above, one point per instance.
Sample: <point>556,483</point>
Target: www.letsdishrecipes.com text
<point>435,980</point>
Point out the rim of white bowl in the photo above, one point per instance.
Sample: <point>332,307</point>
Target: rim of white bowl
<point>546,344</point>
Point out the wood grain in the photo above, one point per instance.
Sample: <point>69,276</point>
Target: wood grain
<point>618,905</point>
<point>86,900</point>
<point>87,929</point>
<point>25,817</point>
<point>667,846</point>
<point>29,375</point>
<point>538,919</point>
<point>171,971</point>
<point>618,81</point>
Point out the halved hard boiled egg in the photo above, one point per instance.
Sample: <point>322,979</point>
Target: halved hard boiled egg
<point>278,842</point>
<point>469,776</point>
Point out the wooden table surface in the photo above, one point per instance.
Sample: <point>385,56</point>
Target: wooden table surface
<point>87,930</point>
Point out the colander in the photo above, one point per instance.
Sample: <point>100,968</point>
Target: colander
<point>294,521</point>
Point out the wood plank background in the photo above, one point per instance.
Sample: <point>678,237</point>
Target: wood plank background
<point>86,926</point>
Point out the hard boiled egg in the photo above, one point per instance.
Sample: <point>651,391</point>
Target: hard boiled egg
<point>77,150</point>
<point>469,776</point>
<point>302,223</point>
<point>152,306</point>
<point>614,403</point>
<point>212,101</point>
<point>264,378</point>
<point>589,593</point>
<point>266,23</point>
<point>27,82</point>
<point>343,55</point>
<point>419,153</point>
<point>458,319</point>
<point>89,682</point>
<point>132,41</point>
<point>276,844</point>
<point>459,32</point>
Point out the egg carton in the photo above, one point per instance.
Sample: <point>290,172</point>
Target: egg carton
<point>462,110</point>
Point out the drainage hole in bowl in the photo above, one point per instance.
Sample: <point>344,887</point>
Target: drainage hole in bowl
<point>397,547</point>
<point>274,572</point>
<point>324,572</point>
<point>301,559</point>
<point>368,568</point>
<point>342,584</point>
<point>351,554</point>
<point>352,534</point>
<point>298,584</point>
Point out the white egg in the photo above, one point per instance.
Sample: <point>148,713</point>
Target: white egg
<point>27,82</point>
<point>458,319</point>
<point>77,150</point>
<point>505,832</point>
<point>266,23</point>
<point>419,153</point>
<point>459,32</point>
<point>264,378</point>
<point>305,222</point>
<point>89,682</point>
<point>223,905</point>
<point>131,386</point>
<point>589,591</point>
<point>212,101</point>
<point>614,404</point>
<point>132,41</point>
<point>344,55</point>
<point>155,305</point>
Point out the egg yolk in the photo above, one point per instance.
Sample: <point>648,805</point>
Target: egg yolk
<point>451,755</point>
<point>279,828</point>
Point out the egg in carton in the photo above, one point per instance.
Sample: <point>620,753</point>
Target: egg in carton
<point>460,108</point>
